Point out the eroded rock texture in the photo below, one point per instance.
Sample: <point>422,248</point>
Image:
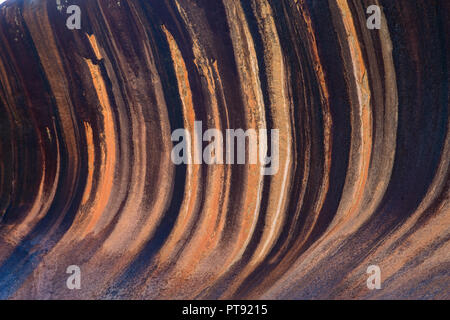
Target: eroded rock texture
<point>86,177</point>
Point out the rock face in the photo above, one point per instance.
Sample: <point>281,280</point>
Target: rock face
<point>86,176</point>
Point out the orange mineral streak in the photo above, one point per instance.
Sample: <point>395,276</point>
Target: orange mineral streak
<point>108,149</point>
<point>138,220</point>
<point>213,215</point>
<point>130,217</point>
<point>191,201</point>
<point>90,162</point>
<point>202,250</point>
<point>94,46</point>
